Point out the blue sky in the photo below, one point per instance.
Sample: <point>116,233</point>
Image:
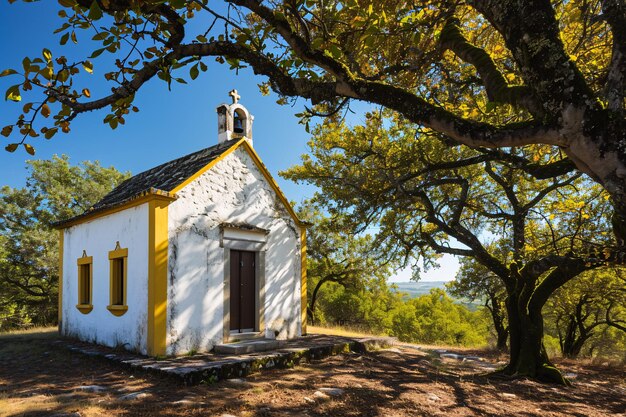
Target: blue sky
<point>169,124</point>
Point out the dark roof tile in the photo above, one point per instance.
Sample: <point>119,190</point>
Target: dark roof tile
<point>165,177</point>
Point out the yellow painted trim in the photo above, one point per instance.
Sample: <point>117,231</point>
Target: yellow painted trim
<point>153,196</point>
<point>303,281</point>
<point>208,166</point>
<point>60,299</point>
<point>117,310</point>
<point>122,253</point>
<point>84,260</point>
<point>118,253</point>
<point>158,241</point>
<point>85,307</point>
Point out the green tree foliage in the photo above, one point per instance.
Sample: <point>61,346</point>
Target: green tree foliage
<point>431,319</point>
<point>436,319</point>
<point>347,282</point>
<point>336,254</point>
<point>368,307</point>
<point>589,308</point>
<point>475,282</point>
<point>460,68</point>
<point>29,251</point>
<point>493,209</point>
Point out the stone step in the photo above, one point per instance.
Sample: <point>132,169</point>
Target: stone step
<point>247,346</point>
<point>240,337</point>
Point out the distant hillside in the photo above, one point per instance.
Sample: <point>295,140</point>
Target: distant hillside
<point>415,289</point>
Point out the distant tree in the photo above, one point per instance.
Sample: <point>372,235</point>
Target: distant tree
<point>459,68</point>
<point>370,308</point>
<point>584,307</point>
<point>29,252</point>
<point>336,254</point>
<point>435,318</point>
<point>371,175</point>
<point>477,283</point>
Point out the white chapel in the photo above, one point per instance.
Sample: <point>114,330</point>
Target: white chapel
<point>187,255</point>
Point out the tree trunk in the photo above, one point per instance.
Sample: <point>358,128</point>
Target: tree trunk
<point>503,336</point>
<point>573,341</point>
<point>528,355</point>
<point>497,315</point>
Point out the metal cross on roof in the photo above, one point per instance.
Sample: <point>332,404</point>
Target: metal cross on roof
<point>235,96</point>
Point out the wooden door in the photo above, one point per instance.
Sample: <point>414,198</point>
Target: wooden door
<point>242,291</point>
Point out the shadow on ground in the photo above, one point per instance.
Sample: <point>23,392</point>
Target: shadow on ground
<point>40,378</point>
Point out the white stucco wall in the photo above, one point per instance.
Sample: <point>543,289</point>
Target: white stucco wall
<point>233,191</point>
<point>97,238</point>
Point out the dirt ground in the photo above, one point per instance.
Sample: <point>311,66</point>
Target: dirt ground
<point>40,378</point>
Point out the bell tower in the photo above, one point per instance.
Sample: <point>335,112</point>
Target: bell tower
<point>234,121</point>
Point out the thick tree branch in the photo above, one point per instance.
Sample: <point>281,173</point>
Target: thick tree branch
<point>531,32</point>
<point>495,84</point>
<point>567,269</point>
<point>537,170</point>
<point>614,11</point>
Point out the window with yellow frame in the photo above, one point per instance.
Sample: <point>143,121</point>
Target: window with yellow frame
<point>118,277</point>
<point>85,283</point>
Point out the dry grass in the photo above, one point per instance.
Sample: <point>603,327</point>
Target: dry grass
<point>38,377</point>
<point>347,332</point>
<point>31,333</point>
<point>339,331</point>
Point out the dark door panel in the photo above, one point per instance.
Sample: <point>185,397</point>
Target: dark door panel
<point>247,293</point>
<point>242,290</point>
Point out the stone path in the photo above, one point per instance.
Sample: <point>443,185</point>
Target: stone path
<point>210,367</point>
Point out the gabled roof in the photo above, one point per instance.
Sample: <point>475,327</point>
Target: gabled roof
<point>166,179</point>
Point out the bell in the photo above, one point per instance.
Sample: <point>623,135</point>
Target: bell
<point>238,125</point>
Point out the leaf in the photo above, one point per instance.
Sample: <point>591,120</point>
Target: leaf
<point>13,93</point>
<point>178,4</point>
<point>334,51</point>
<point>7,71</point>
<point>100,36</point>
<point>47,54</point>
<point>6,131</point>
<point>86,92</point>
<point>74,37</point>
<point>64,38</point>
<point>11,147</point>
<point>26,64</point>
<point>88,66</point>
<point>95,12</point>
<point>29,149</point>
<point>193,72</point>
<point>97,52</point>
<point>45,110</point>
<point>50,132</point>
<point>67,3</point>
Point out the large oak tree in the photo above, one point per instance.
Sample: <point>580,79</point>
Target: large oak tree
<point>479,199</point>
<point>443,64</point>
